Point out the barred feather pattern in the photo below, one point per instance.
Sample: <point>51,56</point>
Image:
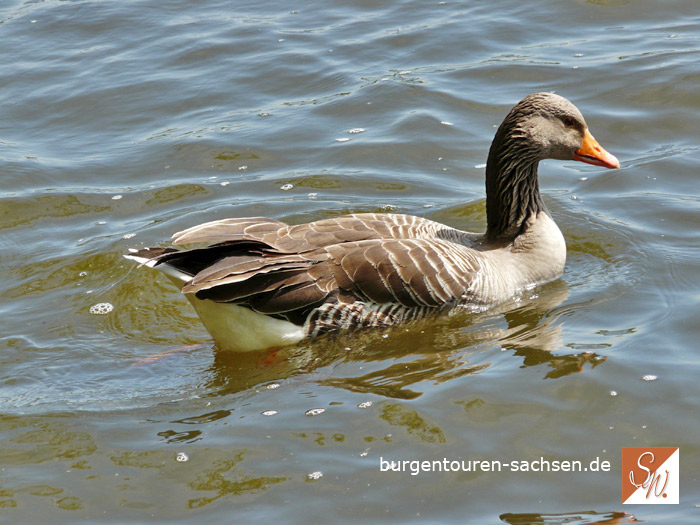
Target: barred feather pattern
<point>344,272</point>
<point>338,316</point>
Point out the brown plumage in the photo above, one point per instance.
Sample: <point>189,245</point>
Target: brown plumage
<point>287,271</point>
<point>379,269</point>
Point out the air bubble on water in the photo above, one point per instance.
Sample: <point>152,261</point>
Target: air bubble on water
<point>313,476</point>
<point>181,457</point>
<point>224,183</point>
<point>286,187</point>
<point>101,223</point>
<point>480,166</point>
<point>354,131</point>
<point>272,386</point>
<point>133,250</point>
<point>116,197</point>
<point>82,274</point>
<point>242,168</point>
<point>389,207</point>
<point>312,196</point>
<point>264,114</point>
<point>129,236</point>
<point>613,393</point>
<point>445,123</point>
<point>315,411</point>
<point>269,412</point>
<point>342,139</point>
<point>578,55</point>
<point>365,404</point>
<point>101,308</point>
<point>649,377</point>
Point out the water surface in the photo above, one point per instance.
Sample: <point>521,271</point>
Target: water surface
<point>122,123</point>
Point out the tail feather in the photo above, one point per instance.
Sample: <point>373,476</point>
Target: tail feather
<point>151,257</point>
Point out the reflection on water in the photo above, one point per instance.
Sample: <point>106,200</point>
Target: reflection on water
<point>573,518</point>
<point>395,361</point>
<point>536,336</point>
<point>224,478</point>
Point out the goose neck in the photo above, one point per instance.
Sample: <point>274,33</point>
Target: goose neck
<point>512,189</point>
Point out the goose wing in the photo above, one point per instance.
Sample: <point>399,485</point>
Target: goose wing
<point>325,232</point>
<point>408,273</point>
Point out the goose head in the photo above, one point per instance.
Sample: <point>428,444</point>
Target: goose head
<point>553,128</point>
<point>540,126</point>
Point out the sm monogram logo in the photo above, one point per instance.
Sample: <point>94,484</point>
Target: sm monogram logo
<point>650,475</point>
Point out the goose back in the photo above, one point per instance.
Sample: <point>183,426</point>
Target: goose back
<point>363,269</point>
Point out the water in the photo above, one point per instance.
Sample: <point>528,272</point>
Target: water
<point>124,122</point>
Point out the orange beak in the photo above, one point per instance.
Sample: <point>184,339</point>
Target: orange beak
<point>591,152</point>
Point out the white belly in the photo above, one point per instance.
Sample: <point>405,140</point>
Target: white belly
<point>233,327</point>
<point>240,329</point>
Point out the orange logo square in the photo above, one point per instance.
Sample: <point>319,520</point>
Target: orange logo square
<point>650,475</point>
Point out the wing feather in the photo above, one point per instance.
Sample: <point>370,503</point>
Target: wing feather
<point>404,271</point>
<point>317,234</point>
<point>250,228</point>
<point>393,261</point>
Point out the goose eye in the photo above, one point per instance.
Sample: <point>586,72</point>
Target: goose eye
<point>568,122</point>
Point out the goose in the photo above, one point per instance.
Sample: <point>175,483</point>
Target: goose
<point>258,283</point>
